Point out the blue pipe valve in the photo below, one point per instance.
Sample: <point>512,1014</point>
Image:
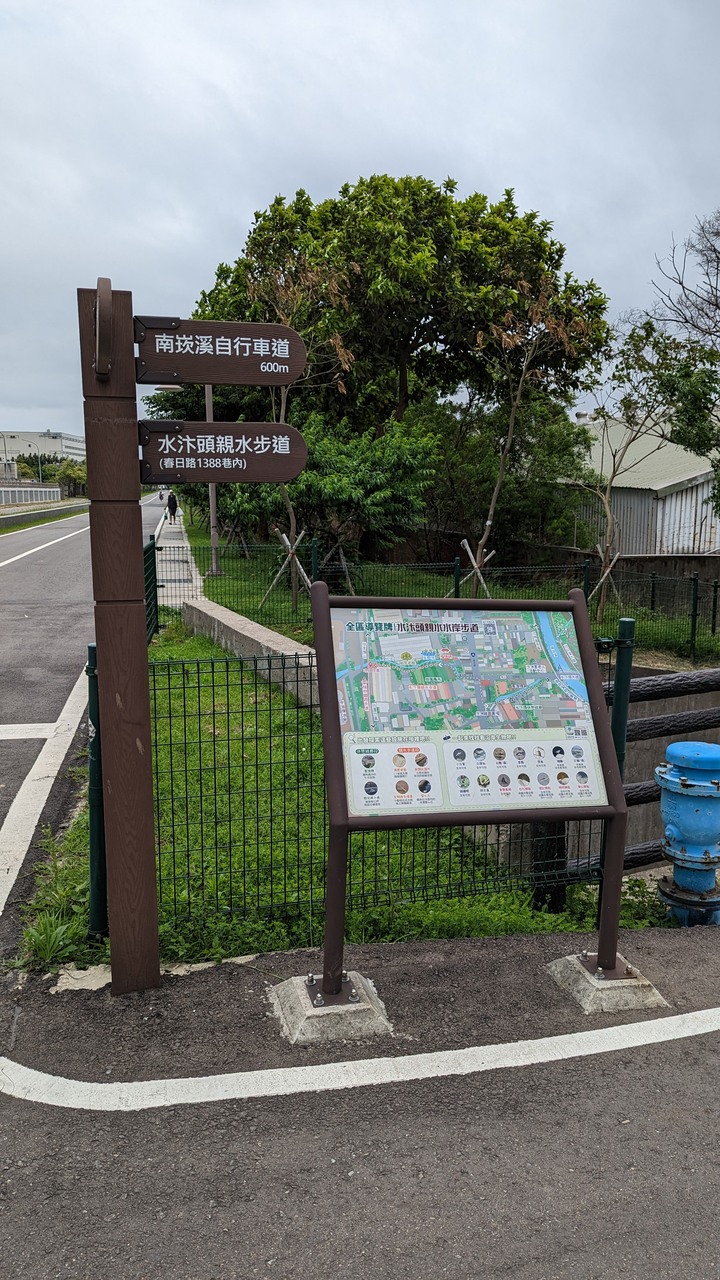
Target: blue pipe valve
<point>689,782</point>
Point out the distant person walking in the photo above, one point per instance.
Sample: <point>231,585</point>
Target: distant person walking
<point>172,507</point>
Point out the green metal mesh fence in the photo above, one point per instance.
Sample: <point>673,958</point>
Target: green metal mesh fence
<point>676,615</point>
<point>241,818</point>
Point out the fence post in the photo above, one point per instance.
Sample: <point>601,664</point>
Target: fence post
<point>456,577</point>
<point>653,579</point>
<point>586,578</point>
<point>152,615</point>
<point>624,645</point>
<point>549,865</point>
<point>98,915</point>
<point>714,605</point>
<point>314,560</point>
<point>694,615</point>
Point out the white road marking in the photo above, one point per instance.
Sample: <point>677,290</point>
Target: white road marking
<point>24,813</point>
<point>18,1081</point>
<point>14,732</point>
<point>44,546</point>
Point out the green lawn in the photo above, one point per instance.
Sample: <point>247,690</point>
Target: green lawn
<point>660,606</point>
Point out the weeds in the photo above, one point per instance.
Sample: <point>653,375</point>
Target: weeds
<point>55,931</point>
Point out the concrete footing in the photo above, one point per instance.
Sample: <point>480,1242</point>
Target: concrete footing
<point>302,1022</point>
<point>605,995</point>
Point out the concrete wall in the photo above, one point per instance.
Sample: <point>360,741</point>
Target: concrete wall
<point>29,517</point>
<point>287,662</point>
<point>708,567</point>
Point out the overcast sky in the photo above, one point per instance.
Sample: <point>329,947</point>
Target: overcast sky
<point>138,140</point>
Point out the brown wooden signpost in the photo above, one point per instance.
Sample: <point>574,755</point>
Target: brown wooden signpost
<point>245,452</point>
<point>170,351</point>
<point>211,351</point>
<point>108,381</point>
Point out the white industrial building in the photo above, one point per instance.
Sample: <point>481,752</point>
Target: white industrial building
<point>28,443</point>
<point>660,500</point>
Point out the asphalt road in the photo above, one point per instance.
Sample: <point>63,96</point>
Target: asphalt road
<point>46,624</point>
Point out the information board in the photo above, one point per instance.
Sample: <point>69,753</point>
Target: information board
<point>445,709</point>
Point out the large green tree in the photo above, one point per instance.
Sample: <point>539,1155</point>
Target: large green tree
<point>405,293</point>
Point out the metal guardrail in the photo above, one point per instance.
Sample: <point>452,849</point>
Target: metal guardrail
<point>241,817</point>
<point>646,728</point>
<point>240,800</point>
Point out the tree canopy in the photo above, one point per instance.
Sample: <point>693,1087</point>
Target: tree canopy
<point>407,298</point>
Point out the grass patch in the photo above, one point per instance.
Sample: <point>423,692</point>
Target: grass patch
<point>496,914</point>
<point>661,607</point>
<point>56,919</point>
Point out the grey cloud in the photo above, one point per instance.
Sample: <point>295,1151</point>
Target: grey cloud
<point>138,141</point>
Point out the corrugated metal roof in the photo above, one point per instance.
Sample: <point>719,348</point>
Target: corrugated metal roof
<point>650,463</point>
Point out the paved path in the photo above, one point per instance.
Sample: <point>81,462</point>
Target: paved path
<point>558,1165</point>
<point>178,578</point>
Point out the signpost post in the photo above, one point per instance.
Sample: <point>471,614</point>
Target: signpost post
<point>212,493</point>
<point>441,713</point>
<point>171,351</point>
<point>116,543</point>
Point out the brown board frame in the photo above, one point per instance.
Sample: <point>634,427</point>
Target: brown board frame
<point>322,606</point>
<point>240,361</point>
<point>342,822</point>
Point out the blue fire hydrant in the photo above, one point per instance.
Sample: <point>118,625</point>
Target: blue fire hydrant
<point>690,808</point>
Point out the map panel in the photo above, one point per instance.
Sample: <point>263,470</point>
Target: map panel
<point>452,709</point>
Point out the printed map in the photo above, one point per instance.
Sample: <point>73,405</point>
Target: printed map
<point>457,670</point>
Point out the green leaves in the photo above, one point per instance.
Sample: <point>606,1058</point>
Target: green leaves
<point>354,485</point>
<point>404,294</point>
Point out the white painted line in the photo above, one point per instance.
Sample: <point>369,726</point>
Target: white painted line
<point>44,546</point>
<point>29,1085</point>
<point>24,813</point>
<point>15,732</point>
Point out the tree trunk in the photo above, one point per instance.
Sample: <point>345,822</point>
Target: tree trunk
<point>403,395</point>
<point>294,583</point>
<point>606,558</point>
